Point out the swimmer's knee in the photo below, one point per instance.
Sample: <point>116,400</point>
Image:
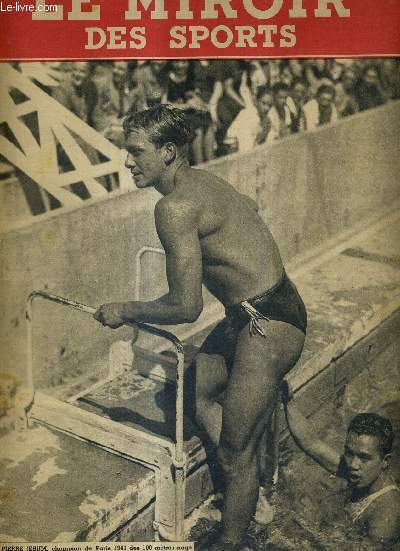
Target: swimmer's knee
<point>234,455</point>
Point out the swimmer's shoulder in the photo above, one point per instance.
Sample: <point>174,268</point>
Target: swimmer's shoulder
<point>211,179</point>
<point>202,187</point>
<point>175,211</point>
<point>383,517</point>
<point>200,177</point>
<point>209,191</point>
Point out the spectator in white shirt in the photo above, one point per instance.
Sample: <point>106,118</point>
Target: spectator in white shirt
<point>279,115</point>
<point>321,110</point>
<point>252,124</point>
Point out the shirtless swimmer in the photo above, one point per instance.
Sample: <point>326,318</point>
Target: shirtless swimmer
<point>213,235</point>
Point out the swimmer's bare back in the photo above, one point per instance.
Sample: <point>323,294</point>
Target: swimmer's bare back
<point>240,258</point>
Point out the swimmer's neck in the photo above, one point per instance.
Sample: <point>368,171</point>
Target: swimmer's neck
<point>384,479</point>
<point>168,181</point>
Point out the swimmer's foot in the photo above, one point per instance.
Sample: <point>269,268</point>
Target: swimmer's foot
<point>264,513</point>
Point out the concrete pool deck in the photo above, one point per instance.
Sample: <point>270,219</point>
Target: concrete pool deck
<point>59,488</point>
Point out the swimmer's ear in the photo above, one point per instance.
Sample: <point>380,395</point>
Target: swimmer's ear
<point>386,460</point>
<point>169,152</point>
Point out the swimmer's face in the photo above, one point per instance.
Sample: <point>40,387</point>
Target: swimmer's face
<point>144,159</point>
<point>363,459</point>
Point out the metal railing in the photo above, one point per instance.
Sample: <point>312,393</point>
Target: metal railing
<point>178,459</point>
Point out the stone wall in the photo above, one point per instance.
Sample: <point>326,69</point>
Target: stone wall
<point>310,189</point>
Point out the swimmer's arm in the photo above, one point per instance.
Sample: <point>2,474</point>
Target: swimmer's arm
<point>304,434</point>
<point>177,229</point>
<point>384,524</point>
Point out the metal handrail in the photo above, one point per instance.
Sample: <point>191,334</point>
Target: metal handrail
<point>179,460</point>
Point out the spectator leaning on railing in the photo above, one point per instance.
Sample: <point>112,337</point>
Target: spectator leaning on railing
<point>78,93</point>
<point>234,76</point>
<point>346,103</point>
<point>321,110</point>
<point>150,78</point>
<point>119,94</point>
<point>368,90</point>
<point>306,94</point>
<point>208,86</point>
<point>296,101</point>
<point>279,115</point>
<point>181,92</point>
<point>252,125</point>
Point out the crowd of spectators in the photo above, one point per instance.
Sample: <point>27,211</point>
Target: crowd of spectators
<point>231,104</point>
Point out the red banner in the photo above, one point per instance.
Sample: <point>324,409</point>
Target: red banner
<point>72,29</point>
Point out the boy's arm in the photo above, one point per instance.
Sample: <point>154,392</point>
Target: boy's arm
<point>177,229</point>
<point>304,434</point>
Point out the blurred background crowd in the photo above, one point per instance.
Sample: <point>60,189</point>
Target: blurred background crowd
<point>232,105</point>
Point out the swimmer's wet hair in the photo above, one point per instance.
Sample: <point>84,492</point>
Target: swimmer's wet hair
<point>374,425</point>
<point>162,123</point>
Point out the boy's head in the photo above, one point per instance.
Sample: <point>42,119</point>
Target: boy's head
<point>368,446</point>
<point>299,91</point>
<point>162,124</point>
<point>280,92</point>
<point>119,72</point>
<point>370,75</point>
<point>326,94</point>
<point>264,100</point>
<point>154,139</point>
<point>80,72</point>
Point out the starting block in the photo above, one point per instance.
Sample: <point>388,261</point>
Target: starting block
<point>177,459</point>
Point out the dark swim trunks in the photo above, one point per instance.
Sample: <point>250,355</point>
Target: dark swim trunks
<point>281,302</point>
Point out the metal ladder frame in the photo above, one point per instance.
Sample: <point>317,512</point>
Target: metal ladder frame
<point>167,459</point>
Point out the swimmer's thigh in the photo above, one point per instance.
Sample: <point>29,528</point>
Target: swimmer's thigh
<point>260,364</point>
<point>206,377</point>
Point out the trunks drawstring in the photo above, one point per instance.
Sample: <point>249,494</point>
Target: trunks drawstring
<point>255,315</point>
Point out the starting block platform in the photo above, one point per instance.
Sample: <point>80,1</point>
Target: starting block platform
<point>101,464</point>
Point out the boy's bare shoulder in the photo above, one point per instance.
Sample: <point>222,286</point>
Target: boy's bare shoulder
<point>389,498</point>
<point>383,516</point>
<point>175,209</point>
<point>196,177</point>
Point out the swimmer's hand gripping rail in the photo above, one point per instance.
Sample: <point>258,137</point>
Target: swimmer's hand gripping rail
<point>179,458</point>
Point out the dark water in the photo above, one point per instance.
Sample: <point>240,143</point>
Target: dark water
<point>309,503</point>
